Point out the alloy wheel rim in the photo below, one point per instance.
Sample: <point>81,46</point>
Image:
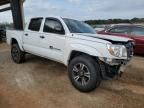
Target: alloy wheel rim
<point>15,54</point>
<point>81,74</point>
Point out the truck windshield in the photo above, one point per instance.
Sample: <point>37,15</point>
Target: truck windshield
<point>78,26</point>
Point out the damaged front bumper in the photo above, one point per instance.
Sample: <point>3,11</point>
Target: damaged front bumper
<point>124,66</point>
<point>112,67</point>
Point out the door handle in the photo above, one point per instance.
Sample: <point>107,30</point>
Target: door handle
<point>51,47</point>
<point>26,34</point>
<point>42,37</point>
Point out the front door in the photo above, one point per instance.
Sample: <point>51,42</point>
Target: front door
<point>53,41</point>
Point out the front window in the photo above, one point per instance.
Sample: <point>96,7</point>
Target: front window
<point>53,26</point>
<point>78,26</point>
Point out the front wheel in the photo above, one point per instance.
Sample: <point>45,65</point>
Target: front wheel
<point>17,55</point>
<point>84,73</point>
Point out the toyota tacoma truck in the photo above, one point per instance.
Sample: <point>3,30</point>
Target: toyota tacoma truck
<point>90,57</point>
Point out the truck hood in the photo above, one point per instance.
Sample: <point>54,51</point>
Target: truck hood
<point>103,37</point>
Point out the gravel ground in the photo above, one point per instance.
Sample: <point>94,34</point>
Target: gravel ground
<point>41,83</point>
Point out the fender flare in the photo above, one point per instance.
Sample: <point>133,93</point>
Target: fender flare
<point>18,41</point>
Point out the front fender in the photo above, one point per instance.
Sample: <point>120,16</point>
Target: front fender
<point>84,49</point>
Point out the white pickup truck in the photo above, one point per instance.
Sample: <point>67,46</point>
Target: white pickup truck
<point>90,57</point>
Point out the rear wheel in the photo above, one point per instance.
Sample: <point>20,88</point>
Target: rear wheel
<point>17,55</point>
<point>84,73</point>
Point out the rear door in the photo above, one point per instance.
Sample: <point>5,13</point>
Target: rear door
<point>32,35</point>
<point>138,35</point>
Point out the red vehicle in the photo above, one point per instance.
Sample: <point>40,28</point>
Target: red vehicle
<point>135,32</point>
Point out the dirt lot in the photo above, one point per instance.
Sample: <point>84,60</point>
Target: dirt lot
<point>41,83</point>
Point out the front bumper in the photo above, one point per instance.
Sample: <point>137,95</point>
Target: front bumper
<point>114,62</point>
<point>113,67</point>
<point>124,66</point>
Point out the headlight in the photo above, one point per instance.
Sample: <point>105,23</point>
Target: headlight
<point>117,50</point>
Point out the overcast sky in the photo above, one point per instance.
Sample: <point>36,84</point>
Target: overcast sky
<point>81,9</point>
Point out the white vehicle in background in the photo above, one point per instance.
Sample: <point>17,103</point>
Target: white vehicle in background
<point>99,28</point>
<point>90,57</point>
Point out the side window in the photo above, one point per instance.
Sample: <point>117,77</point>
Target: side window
<point>53,26</point>
<point>120,30</point>
<point>139,31</point>
<point>35,24</point>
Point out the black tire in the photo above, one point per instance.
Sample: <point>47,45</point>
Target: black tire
<point>17,55</point>
<point>85,83</point>
<point>0,38</point>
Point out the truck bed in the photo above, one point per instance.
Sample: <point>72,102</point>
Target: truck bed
<point>18,34</point>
